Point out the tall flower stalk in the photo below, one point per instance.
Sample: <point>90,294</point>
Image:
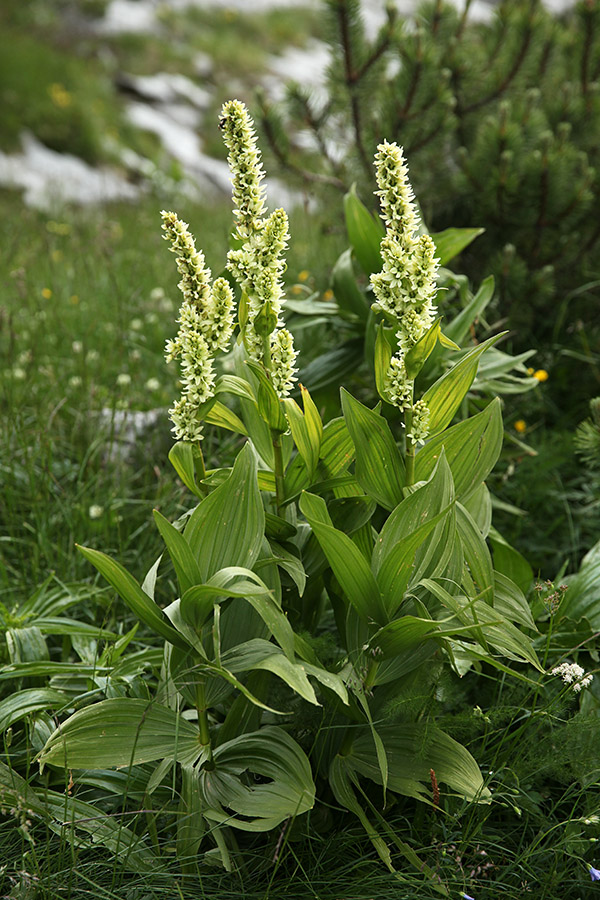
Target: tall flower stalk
<point>258,265</point>
<point>205,327</point>
<point>405,288</point>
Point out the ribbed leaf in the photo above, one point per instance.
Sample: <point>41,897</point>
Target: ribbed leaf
<point>184,561</point>
<point>181,457</point>
<point>227,528</point>
<point>476,554</point>
<point>472,448</point>
<point>509,561</point>
<point>379,465</point>
<point>131,593</point>
<point>347,562</point>
<point>413,749</point>
<point>197,602</point>
<point>452,241</point>
<point>269,404</point>
<point>347,293</point>
<point>364,233</point>
<point>222,416</point>
<point>121,732</point>
<point>20,704</point>
<point>306,428</point>
<point>445,396</point>
<point>458,328</point>
<point>283,787</point>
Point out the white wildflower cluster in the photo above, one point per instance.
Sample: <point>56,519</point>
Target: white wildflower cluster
<point>406,286</point>
<point>573,674</point>
<point>205,327</point>
<point>258,265</point>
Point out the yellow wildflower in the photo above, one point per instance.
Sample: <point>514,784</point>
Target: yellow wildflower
<point>303,275</point>
<point>541,375</point>
<point>46,293</point>
<point>520,426</point>
<point>60,95</point>
<point>530,370</point>
<point>328,295</point>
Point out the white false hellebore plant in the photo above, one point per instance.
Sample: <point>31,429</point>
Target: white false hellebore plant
<point>400,600</point>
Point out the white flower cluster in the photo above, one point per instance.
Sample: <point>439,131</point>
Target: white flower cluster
<point>205,327</point>
<point>573,674</point>
<point>258,265</point>
<point>406,286</point>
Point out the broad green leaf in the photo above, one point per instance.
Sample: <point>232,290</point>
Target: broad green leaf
<point>197,602</point>
<point>496,630</point>
<point>131,593</point>
<point>509,561</point>
<point>582,600</point>
<point>459,327</point>
<point>286,560</point>
<point>379,465</point>
<point>413,749</point>
<point>347,562</point>
<point>381,360</point>
<point>479,505</point>
<point>258,654</point>
<point>347,293</point>
<point>184,561</point>
<point>452,241</point>
<point>510,600</point>
<point>337,449</point>
<point>306,428</point>
<point>445,396</point>
<point>233,384</point>
<point>397,569</point>
<point>364,232</point>
<point>121,732</point>
<point>420,352</point>
<point>181,457</point>
<point>476,555</point>
<point>472,449</point>
<point>269,404</point>
<point>227,527</point>
<point>403,635</point>
<point>222,416</point>
<point>20,704</point>
<point>283,787</point>
<point>190,822</point>
<point>417,509</point>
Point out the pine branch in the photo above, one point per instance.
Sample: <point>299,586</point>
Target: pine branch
<point>350,80</point>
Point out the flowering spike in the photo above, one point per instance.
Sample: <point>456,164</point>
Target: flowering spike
<point>195,275</point>
<point>406,286</point>
<point>420,422</point>
<point>259,263</point>
<point>205,326</point>
<point>283,357</point>
<point>245,166</point>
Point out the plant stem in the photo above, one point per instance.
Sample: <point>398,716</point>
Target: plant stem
<point>266,360</point>
<point>200,467</point>
<point>409,457</point>
<point>203,718</point>
<point>278,462</point>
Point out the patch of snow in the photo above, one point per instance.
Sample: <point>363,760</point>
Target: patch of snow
<point>167,87</point>
<point>50,179</point>
<point>180,139</point>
